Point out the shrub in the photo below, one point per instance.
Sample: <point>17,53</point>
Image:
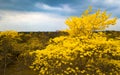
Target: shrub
<point>82,52</point>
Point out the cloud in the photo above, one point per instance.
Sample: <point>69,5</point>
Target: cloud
<point>35,21</point>
<point>63,7</point>
<point>112,2</point>
<point>31,21</point>
<point>107,3</point>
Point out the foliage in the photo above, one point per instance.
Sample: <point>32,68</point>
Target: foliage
<point>87,22</point>
<point>8,43</point>
<point>83,52</point>
<point>15,48</point>
<point>79,55</point>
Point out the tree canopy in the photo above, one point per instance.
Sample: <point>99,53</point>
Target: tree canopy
<point>88,22</point>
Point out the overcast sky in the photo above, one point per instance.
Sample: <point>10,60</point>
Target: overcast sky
<point>49,15</point>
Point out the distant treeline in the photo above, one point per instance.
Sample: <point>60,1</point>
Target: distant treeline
<point>109,33</point>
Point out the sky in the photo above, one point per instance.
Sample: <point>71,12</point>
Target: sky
<point>49,15</point>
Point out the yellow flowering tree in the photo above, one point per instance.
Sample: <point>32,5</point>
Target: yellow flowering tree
<point>83,52</point>
<point>8,39</point>
<point>8,50</point>
<point>87,22</point>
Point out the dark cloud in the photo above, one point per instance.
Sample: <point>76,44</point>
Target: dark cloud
<point>78,5</point>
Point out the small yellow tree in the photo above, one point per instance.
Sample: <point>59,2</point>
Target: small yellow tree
<point>88,22</point>
<point>8,39</point>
